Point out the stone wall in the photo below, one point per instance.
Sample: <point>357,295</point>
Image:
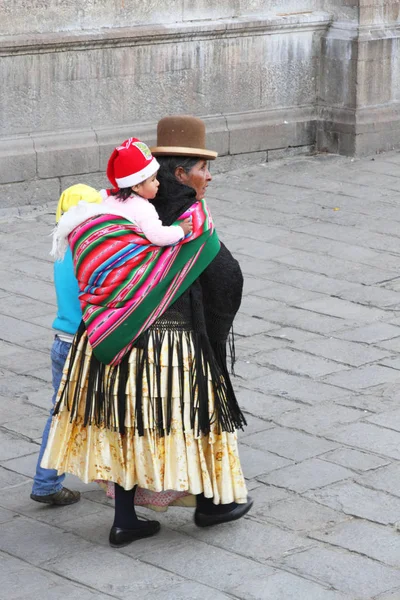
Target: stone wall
<point>48,16</point>
<point>268,76</point>
<point>359,82</point>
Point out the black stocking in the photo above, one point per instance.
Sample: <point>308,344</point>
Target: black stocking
<point>207,506</point>
<point>125,515</point>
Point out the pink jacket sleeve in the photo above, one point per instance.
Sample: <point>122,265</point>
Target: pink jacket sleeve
<point>147,219</point>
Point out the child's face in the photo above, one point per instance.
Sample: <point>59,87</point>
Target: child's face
<point>148,188</point>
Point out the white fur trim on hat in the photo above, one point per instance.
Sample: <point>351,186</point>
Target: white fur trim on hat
<point>139,177</point>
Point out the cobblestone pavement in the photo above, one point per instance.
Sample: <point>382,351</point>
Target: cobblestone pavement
<point>318,374</point>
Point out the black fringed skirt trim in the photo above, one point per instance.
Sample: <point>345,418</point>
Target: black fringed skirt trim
<point>98,393</point>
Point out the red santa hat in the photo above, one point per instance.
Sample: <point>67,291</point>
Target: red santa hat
<point>130,164</point>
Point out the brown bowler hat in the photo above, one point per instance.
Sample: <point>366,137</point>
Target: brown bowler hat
<point>182,135</point>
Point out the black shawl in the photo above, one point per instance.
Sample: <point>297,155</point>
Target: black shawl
<point>212,300</point>
<point>217,294</point>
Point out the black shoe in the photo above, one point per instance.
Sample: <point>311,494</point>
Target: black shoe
<point>122,537</point>
<point>203,520</point>
<point>61,498</point>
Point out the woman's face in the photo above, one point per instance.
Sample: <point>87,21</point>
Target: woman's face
<point>198,178</point>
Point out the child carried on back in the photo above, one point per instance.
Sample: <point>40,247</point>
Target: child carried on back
<point>132,170</point>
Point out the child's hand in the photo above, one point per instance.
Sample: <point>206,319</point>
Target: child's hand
<point>187,225</point>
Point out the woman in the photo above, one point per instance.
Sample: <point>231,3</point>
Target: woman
<point>149,401</point>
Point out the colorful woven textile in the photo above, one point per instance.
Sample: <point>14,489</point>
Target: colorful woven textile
<point>126,283</point>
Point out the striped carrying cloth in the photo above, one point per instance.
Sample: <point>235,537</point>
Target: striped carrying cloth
<point>127,283</point>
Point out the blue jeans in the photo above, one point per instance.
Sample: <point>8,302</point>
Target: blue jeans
<point>47,481</point>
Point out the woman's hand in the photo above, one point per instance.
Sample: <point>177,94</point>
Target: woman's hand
<point>187,225</point>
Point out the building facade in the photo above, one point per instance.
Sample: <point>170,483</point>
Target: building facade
<point>270,77</point>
